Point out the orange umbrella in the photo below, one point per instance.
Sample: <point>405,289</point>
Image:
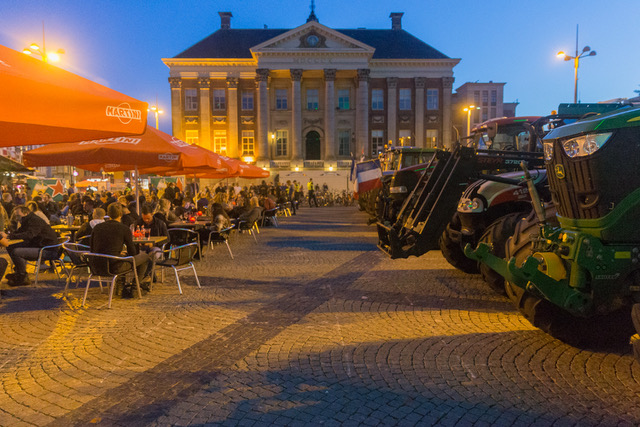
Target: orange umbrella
<point>244,170</point>
<point>44,104</point>
<point>154,148</point>
<point>200,161</point>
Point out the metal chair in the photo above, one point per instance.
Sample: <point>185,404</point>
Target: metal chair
<point>53,254</point>
<point>248,226</point>
<point>74,252</point>
<point>102,269</point>
<point>221,236</point>
<point>182,236</point>
<point>270,215</point>
<point>178,258</point>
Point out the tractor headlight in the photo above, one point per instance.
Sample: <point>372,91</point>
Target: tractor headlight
<point>398,190</point>
<point>584,145</point>
<point>468,205</point>
<point>548,151</point>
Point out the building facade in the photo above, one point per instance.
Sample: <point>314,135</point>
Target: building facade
<point>487,99</point>
<point>312,96</point>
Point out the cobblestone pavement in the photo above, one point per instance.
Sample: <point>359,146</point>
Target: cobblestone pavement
<point>311,325</point>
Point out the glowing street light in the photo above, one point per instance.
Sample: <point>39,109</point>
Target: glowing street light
<point>586,51</point>
<point>34,49</point>
<point>157,112</point>
<point>469,109</point>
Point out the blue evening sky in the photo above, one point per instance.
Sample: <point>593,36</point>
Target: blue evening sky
<point>119,43</point>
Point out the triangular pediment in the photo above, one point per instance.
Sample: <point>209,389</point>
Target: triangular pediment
<point>312,37</point>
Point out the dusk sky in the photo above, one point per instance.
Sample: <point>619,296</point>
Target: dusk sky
<point>120,43</point>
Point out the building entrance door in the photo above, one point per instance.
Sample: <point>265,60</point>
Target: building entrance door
<point>312,146</point>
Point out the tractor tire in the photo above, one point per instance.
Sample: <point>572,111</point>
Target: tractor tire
<point>598,331</point>
<point>453,252</point>
<point>496,235</point>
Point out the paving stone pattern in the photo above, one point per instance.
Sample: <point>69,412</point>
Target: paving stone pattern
<point>311,325</point>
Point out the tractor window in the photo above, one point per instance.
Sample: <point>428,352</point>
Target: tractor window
<point>508,137</point>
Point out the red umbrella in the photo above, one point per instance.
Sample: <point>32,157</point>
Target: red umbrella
<point>44,104</point>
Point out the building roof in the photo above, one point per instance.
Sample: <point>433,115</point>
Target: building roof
<point>236,43</point>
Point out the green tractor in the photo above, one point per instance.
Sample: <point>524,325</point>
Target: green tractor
<point>572,267</point>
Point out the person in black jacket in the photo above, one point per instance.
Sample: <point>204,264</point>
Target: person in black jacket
<point>109,237</point>
<point>35,234</point>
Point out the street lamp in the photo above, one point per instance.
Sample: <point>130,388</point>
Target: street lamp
<point>469,109</point>
<point>34,49</point>
<point>157,112</point>
<point>586,51</point>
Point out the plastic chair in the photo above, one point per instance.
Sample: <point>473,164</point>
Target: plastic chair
<point>220,237</point>
<point>74,252</point>
<point>178,258</point>
<point>100,270</point>
<point>53,254</point>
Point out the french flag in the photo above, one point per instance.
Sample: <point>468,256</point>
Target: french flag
<point>368,175</point>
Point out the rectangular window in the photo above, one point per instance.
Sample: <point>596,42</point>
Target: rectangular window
<point>432,138</point>
<point>281,99</point>
<point>485,115</point>
<point>485,98</point>
<point>476,98</point>
<point>377,142</point>
<point>377,99</point>
<point>220,141</point>
<point>404,137</point>
<point>312,99</point>
<point>247,100</point>
<point>494,98</point>
<point>476,116</point>
<point>432,99</point>
<point>190,99</point>
<point>343,99</point>
<point>404,99</point>
<point>219,99</point>
<point>493,112</point>
<point>282,143</point>
<point>191,137</point>
<point>344,142</point>
<point>248,143</point>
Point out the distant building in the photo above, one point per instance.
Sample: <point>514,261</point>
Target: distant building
<point>487,96</point>
<point>312,96</point>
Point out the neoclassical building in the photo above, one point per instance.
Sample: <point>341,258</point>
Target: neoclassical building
<point>310,97</point>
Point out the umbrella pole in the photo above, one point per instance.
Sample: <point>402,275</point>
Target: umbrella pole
<point>137,192</point>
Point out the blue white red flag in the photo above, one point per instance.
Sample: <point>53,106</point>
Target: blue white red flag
<point>368,175</point>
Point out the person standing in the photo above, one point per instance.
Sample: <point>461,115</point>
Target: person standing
<point>290,190</point>
<point>311,192</point>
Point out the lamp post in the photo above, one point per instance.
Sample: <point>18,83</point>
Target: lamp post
<point>469,109</point>
<point>34,49</point>
<point>586,51</point>
<point>157,111</point>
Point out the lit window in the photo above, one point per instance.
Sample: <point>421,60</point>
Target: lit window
<point>377,99</point>
<point>191,137</point>
<point>343,99</point>
<point>220,141</point>
<point>281,99</point>
<point>405,99</point>
<point>432,99</point>
<point>404,136</point>
<point>377,142</point>
<point>344,142</point>
<point>191,99</point>
<point>219,99</point>
<point>312,99</point>
<point>247,100</point>
<point>282,142</point>
<point>247,143</point>
<point>432,138</point>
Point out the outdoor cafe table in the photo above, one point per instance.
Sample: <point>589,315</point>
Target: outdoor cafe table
<point>187,224</point>
<point>61,228</point>
<point>155,240</point>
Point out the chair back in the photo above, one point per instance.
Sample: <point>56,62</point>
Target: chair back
<point>75,251</point>
<point>53,252</point>
<point>84,240</point>
<point>182,236</point>
<point>183,254</point>
<point>106,265</point>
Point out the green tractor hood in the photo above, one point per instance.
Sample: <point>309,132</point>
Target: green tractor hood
<point>622,118</point>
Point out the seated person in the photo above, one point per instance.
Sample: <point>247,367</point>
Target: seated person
<point>109,237</point>
<point>156,227</point>
<point>128,217</point>
<point>202,203</point>
<point>35,208</point>
<point>253,213</point>
<point>35,234</point>
<point>164,212</point>
<point>268,203</point>
<point>87,227</point>
<point>219,221</point>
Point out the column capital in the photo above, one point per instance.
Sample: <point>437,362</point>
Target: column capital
<point>232,82</point>
<point>329,74</point>
<point>447,82</point>
<point>262,74</point>
<point>175,82</point>
<point>204,82</point>
<point>296,74</point>
<point>363,74</point>
<point>392,82</point>
<point>420,82</point>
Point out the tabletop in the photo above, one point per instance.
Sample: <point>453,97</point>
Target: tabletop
<point>65,227</point>
<point>185,224</point>
<point>155,240</point>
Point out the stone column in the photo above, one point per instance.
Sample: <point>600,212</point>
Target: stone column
<point>392,113</point>
<point>362,114</point>
<point>232,117</point>
<point>176,107</point>
<point>205,112</point>
<point>420,106</point>
<point>296,115</point>
<point>262,147</point>
<point>447,84</point>
<point>329,115</point>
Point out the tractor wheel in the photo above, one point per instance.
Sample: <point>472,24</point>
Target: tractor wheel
<point>452,251</point>
<point>496,235</point>
<point>596,331</point>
